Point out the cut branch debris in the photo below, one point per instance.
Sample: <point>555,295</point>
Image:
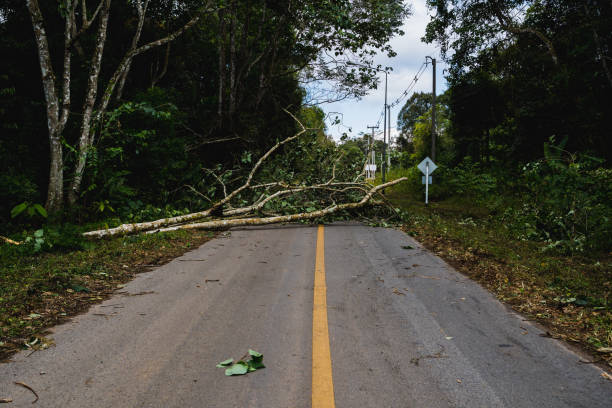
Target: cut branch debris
<point>10,241</point>
<point>359,194</point>
<point>24,385</point>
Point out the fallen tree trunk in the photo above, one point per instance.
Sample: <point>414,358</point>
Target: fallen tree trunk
<point>236,222</point>
<point>125,229</point>
<point>239,222</point>
<point>243,216</point>
<point>10,241</point>
<point>261,203</point>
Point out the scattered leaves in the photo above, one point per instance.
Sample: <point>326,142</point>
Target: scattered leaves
<point>45,288</point>
<point>242,367</point>
<point>567,294</point>
<point>398,292</point>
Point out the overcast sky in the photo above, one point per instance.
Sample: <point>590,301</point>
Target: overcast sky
<point>411,52</point>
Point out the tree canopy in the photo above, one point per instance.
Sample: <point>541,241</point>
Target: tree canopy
<point>97,94</point>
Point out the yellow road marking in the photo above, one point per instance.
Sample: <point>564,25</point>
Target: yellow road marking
<point>322,382</point>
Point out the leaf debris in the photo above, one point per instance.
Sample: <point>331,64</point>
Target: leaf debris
<point>241,366</point>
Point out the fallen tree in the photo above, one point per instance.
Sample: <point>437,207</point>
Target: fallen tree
<point>238,222</point>
<point>352,194</point>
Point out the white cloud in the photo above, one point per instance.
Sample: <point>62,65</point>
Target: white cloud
<point>411,52</point>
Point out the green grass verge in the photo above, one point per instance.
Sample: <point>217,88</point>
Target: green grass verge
<point>41,290</point>
<point>570,295</point>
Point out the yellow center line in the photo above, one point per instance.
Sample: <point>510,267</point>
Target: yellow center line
<point>322,382</point>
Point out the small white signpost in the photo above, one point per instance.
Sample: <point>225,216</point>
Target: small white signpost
<point>427,166</point>
<point>370,171</point>
<point>370,167</point>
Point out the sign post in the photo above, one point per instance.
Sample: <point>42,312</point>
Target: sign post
<point>427,166</point>
<point>427,183</point>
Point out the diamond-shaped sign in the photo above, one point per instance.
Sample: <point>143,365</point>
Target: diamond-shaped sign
<point>423,165</point>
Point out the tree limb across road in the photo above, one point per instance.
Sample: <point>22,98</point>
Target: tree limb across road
<point>353,193</point>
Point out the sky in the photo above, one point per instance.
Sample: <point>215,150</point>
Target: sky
<point>357,114</point>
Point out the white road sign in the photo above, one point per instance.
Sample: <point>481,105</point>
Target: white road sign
<point>423,166</point>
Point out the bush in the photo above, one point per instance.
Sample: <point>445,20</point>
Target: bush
<point>570,199</point>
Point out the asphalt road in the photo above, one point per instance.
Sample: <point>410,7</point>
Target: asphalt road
<point>403,329</point>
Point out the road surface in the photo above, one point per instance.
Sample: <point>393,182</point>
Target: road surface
<point>345,316</point>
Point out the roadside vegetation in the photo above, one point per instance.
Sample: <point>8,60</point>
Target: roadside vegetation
<point>45,282</point>
<point>540,239</point>
<point>522,198</point>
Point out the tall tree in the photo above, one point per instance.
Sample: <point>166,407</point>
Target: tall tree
<point>58,109</point>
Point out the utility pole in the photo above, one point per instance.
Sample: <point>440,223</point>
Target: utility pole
<point>384,156</point>
<point>389,145</point>
<point>370,153</point>
<point>384,152</point>
<point>433,113</point>
<point>372,139</point>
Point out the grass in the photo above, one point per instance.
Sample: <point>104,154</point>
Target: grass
<point>44,289</point>
<point>569,295</point>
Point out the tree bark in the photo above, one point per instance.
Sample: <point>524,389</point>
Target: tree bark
<point>86,138</point>
<point>55,192</point>
<point>221,52</point>
<point>142,11</point>
<point>232,62</point>
<point>237,222</point>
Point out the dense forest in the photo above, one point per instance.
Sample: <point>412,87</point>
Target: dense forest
<point>139,101</point>
<point>525,115</point>
<point>130,111</point>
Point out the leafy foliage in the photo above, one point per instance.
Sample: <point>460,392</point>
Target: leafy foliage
<point>570,201</point>
<point>242,367</point>
<point>523,71</point>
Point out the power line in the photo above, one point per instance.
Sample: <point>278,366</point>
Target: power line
<point>410,86</point>
<point>404,94</point>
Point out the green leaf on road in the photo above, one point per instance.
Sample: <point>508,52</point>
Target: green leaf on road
<point>407,247</point>
<point>240,368</point>
<point>255,365</point>
<point>225,363</point>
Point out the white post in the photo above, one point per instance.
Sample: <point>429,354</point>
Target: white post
<point>427,183</point>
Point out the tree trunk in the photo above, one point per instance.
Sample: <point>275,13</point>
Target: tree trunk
<point>85,140</point>
<point>56,180</point>
<point>144,226</point>
<point>155,78</point>
<point>232,84</point>
<point>142,11</point>
<point>237,222</point>
<point>221,51</point>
